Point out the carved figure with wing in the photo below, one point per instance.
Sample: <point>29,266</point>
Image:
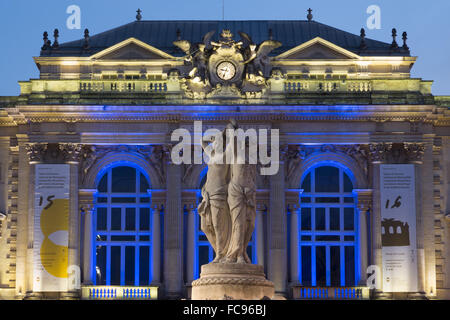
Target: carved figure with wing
<point>257,57</point>
<point>197,55</point>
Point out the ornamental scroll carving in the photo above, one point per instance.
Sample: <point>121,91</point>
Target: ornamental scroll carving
<point>294,155</point>
<point>226,68</point>
<point>397,153</point>
<point>71,152</point>
<point>36,151</point>
<point>53,152</point>
<point>156,155</point>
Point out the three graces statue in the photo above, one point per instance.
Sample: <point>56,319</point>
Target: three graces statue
<point>228,208</point>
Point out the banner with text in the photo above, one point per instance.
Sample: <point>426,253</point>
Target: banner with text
<point>51,227</point>
<point>398,228</point>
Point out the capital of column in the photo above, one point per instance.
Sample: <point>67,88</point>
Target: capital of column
<point>363,198</point>
<point>36,152</point>
<point>86,199</point>
<point>379,151</point>
<point>190,208</point>
<point>293,198</point>
<point>71,152</point>
<point>261,207</point>
<point>156,207</point>
<point>403,152</point>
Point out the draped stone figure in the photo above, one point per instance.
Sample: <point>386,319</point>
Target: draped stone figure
<point>242,203</point>
<point>214,210</point>
<point>228,208</point>
<point>228,215</point>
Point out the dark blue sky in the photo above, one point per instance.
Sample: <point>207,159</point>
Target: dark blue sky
<point>24,21</point>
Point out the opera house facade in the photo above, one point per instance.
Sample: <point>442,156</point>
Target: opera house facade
<point>93,207</point>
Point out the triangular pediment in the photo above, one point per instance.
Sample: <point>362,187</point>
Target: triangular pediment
<point>317,49</point>
<point>131,49</point>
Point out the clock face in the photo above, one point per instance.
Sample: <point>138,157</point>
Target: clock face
<point>226,70</point>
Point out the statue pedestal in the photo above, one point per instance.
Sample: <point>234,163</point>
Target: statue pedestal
<point>224,281</point>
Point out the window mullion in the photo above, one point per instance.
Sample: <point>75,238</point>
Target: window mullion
<point>122,265</point>
<point>328,265</point>
<point>108,265</point>
<point>313,265</point>
<point>136,263</point>
<point>342,253</point>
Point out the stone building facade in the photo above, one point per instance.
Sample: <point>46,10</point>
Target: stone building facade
<point>106,106</point>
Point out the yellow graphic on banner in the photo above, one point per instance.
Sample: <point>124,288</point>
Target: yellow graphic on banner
<point>54,226</point>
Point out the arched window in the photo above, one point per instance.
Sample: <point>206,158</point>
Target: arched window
<point>204,252</point>
<point>328,235</point>
<point>122,228</point>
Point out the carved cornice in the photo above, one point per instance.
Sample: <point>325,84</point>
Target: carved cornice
<point>397,153</point>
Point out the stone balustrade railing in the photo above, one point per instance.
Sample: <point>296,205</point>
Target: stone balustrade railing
<point>119,292</point>
<point>295,86</point>
<point>123,86</point>
<point>331,293</point>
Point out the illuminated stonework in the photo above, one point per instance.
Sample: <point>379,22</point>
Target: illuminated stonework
<point>107,104</point>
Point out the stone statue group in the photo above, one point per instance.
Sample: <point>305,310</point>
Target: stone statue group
<point>228,208</point>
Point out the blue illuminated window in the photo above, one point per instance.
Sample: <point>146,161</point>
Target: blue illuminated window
<point>327,225</point>
<point>122,228</point>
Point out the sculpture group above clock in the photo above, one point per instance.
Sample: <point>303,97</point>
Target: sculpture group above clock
<point>226,67</point>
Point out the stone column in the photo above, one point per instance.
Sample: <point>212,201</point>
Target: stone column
<point>293,202</point>
<point>5,216</point>
<point>4,164</point>
<point>156,244</point>
<point>71,153</point>
<point>29,156</point>
<point>86,203</point>
<point>260,209</point>
<point>421,155</point>
<point>277,257</point>
<point>294,242</point>
<point>190,245</point>
<point>364,203</point>
<point>412,153</point>
<point>173,232</point>
<point>378,154</point>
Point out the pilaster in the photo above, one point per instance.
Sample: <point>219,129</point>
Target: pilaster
<point>364,204</point>
<point>173,231</point>
<point>277,219</point>
<point>86,204</point>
